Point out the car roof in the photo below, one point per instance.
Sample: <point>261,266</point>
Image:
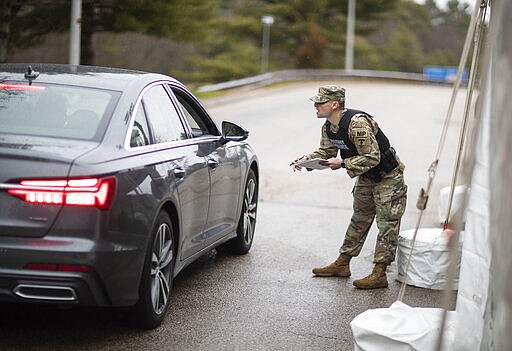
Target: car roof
<point>82,75</point>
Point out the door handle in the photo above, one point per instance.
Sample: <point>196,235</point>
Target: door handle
<point>179,172</point>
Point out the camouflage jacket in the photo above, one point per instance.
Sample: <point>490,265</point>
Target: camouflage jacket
<point>367,147</point>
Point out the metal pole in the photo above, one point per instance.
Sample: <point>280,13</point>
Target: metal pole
<point>264,48</point>
<point>75,32</point>
<point>267,21</point>
<point>349,49</point>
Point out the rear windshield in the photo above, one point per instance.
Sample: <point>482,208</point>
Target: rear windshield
<point>55,110</point>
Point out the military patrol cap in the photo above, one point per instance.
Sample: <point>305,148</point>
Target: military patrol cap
<point>328,93</point>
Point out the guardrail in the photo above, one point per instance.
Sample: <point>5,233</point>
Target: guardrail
<point>312,74</point>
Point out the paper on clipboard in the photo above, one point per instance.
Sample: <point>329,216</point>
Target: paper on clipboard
<point>313,163</point>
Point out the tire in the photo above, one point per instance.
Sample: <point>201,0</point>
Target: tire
<point>157,275</point>
<point>242,243</point>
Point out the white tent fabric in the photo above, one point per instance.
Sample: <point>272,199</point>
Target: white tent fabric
<point>400,328</point>
<point>484,301</point>
<point>476,251</point>
<point>498,316</point>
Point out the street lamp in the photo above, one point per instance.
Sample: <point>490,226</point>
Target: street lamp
<point>267,21</point>
<point>349,47</point>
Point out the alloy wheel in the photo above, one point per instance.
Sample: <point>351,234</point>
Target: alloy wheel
<point>250,206</point>
<point>161,259</point>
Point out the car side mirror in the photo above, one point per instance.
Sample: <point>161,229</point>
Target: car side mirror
<point>233,132</point>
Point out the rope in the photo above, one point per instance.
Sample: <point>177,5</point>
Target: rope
<point>424,194</point>
<point>462,136</point>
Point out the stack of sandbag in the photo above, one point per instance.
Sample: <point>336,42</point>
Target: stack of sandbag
<point>430,258</point>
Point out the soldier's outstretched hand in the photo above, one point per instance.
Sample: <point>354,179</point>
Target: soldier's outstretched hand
<point>295,165</point>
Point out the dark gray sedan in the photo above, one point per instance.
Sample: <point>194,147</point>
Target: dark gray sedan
<point>111,182</point>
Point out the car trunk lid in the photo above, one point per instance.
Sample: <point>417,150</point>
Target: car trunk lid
<point>28,158</point>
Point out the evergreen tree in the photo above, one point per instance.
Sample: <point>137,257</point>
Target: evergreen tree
<point>26,22</point>
<point>305,33</point>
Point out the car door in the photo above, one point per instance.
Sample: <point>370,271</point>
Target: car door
<point>223,161</point>
<point>182,161</point>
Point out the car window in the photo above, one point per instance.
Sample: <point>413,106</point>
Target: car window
<point>54,110</point>
<point>163,118</point>
<point>200,123</point>
<point>140,131</point>
<point>197,130</point>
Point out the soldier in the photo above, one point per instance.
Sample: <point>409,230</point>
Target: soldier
<point>379,190</point>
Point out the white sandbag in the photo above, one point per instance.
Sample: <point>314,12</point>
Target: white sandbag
<point>402,328</point>
<point>444,201</point>
<point>430,258</point>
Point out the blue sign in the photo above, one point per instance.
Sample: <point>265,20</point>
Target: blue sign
<point>443,74</point>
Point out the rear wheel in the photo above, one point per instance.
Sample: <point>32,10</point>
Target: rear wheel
<point>242,243</point>
<point>157,276</point>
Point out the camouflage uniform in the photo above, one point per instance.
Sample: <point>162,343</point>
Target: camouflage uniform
<point>384,200</point>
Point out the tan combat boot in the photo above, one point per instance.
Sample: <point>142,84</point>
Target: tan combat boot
<point>339,268</point>
<point>377,279</point>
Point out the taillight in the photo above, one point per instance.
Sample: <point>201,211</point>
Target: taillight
<point>58,267</point>
<point>71,192</point>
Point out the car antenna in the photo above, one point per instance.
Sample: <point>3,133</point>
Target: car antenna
<point>31,75</point>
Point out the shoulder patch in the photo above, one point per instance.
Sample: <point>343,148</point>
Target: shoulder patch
<point>361,140</point>
<point>360,132</point>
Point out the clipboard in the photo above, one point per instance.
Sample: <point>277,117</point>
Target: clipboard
<point>313,163</point>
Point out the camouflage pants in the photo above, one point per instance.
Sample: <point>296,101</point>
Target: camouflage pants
<point>386,201</point>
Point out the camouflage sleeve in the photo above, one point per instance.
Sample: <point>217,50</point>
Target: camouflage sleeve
<point>361,131</point>
<point>326,149</point>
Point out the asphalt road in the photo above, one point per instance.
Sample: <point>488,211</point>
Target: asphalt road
<point>268,299</point>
